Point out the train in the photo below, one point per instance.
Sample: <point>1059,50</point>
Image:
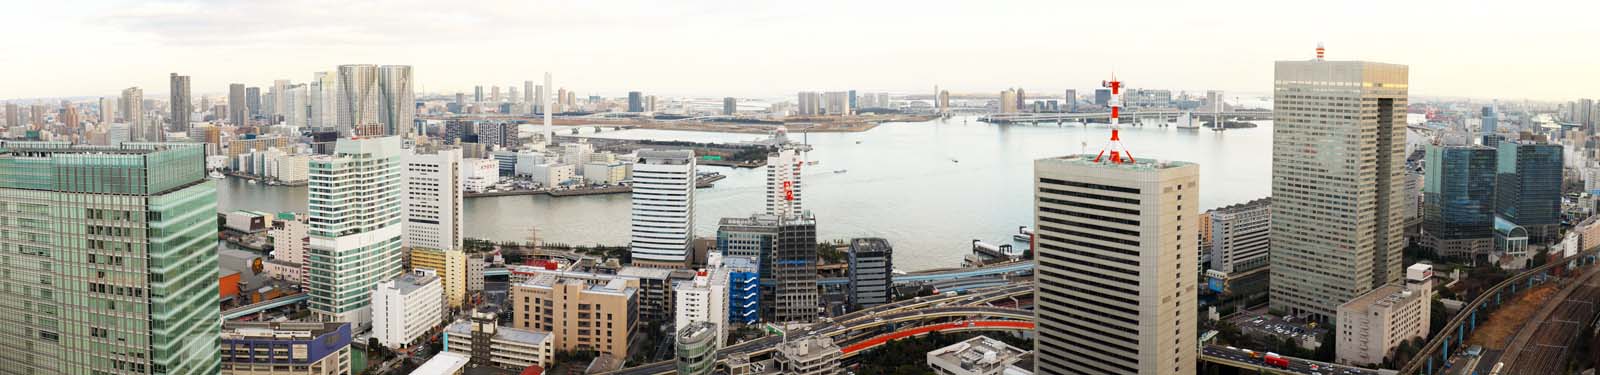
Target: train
<point>1498,367</point>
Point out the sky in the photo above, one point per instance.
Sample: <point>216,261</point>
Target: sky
<point>1541,50</point>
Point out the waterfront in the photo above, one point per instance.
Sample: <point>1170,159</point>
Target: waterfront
<point>929,188</point>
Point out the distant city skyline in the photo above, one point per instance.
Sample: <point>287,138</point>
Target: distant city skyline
<point>716,49</point>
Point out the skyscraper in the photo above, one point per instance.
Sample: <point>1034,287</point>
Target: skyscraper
<point>433,199</point>
<point>296,106</point>
<point>1490,120</point>
<point>398,109</point>
<point>730,106</point>
<point>180,107</point>
<point>1022,100</point>
<point>663,207</point>
<point>871,272</point>
<point>279,91</point>
<point>836,103</point>
<point>1458,200</point>
<point>1008,101</point>
<point>1071,100</point>
<point>14,114</point>
<point>1528,188</point>
<point>358,98</point>
<point>324,93</point>
<point>108,112</point>
<point>635,101</point>
<point>477,94</point>
<point>238,112</point>
<point>529,96</point>
<point>783,182</point>
<point>355,239</point>
<point>1116,273</point>
<point>1338,190</point>
<point>133,112</point>
<point>794,268</point>
<point>98,291</point>
<point>252,102</point>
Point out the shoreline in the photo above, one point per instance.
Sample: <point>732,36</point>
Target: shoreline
<point>702,183</point>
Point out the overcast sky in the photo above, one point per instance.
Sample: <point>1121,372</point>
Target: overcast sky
<point>1522,49</point>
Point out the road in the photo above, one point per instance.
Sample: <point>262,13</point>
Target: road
<point>1296,365</point>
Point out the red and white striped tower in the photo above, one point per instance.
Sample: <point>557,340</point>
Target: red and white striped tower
<point>1118,151</point>
<point>1320,51</point>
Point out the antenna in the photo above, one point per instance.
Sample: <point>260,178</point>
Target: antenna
<point>1115,144</point>
<point>1320,51</point>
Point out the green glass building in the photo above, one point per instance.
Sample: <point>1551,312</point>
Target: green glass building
<point>107,260</point>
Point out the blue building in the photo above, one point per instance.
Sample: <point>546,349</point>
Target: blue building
<point>271,347</point>
<point>1490,120</point>
<point>871,272</point>
<point>1528,188</point>
<point>744,289</point>
<point>1458,200</point>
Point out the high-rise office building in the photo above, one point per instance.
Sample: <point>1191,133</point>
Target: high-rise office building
<point>179,104</point>
<point>730,106</point>
<point>663,207</point>
<point>108,110</point>
<point>1102,96</point>
<point>238,112</point>
<point>501,134</point>
<point>355,238</point>
<point>450,265</point>
<point>1022,100</point>
<point>397,110</point>
<point>1490,120</point>
<point>794,269</point>
<point>635,101</point>
<point>432,180</point>
<point>133,112</point>
<point>783,182</point>
<point>358,98</point>
<point>1458,200</point>
<point>1240,236</point>
<point>1528,188</point>
<point>703,298</point>
<point>1338,192</point>
<point>494,94</point>
<point>871,272</point>
<point>1116,274</point>
<point>14,114</point>
<point>477,94</point>
<point>252,101</point>
<point>809,103</point>
<point>296,106</point>
<point>37,116</point>
<point>324,103</point>
<point>1070,101</point>
<point>528,96</point>
<point>754,237</point>
<point>279,107</point>
<point>90,287</point>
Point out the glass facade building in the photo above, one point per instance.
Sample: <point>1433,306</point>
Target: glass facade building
<point>1458,200</point>
<point>106,260</point>
<point>1528,188</point>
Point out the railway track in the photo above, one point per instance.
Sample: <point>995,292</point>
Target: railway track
<point>1545,350</point>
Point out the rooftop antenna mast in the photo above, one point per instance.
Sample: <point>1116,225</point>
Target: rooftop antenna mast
<point>1114,145</point>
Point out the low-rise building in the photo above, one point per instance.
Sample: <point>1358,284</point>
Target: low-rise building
<point>285,348</point>
<point>581,311</point>
<point>1240,236</point>
<point>655,289</point>
<point>443,364</point>
<point>1372,325</point>
<point>697,344</point>
<point>552,174</point>
<point>976,356</point>
<point>489,344</point>
<point>604,173</point>
<point>407,307</point>
<point>478,175</point>
<point>816,355</point>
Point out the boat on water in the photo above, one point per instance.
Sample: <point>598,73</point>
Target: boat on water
<point>253,181</point>
<point>841,171</point>
<point>953,160</point>
<point>215,174</point>
<point>858,142</point>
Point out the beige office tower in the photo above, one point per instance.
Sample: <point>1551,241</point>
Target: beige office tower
<point>1116,284</point>
<point>1338,187</point>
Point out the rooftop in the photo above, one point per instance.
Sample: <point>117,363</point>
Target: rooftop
<point>1105,162</point>
<point>1383,297</point>
<point>277,330</point>
<point>464,328</point>
<point>411,281</point>
<point>978,354</point>
<point>443,364</point>
<point>646,272</point>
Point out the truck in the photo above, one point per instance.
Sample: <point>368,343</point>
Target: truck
<point>1275,360</point>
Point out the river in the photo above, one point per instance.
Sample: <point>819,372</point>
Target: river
<point>929,188</point>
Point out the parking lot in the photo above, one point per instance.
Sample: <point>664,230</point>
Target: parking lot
<point>1259,323</point>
